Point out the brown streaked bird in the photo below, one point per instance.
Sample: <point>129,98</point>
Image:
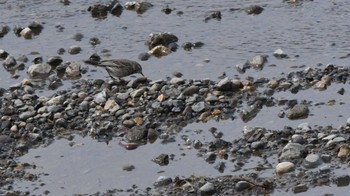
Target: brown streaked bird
<point>118,68</point>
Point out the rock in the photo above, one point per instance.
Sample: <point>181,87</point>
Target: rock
<point>338,139</point>
<point>199,107</point>
<point>4,30</point>
<point>3,54</point>
<point>242,185</point>
<point>128,167</point>
<point>253,10</point>
<point>292,152</point>
<point>343,180</point>
<point>258,61</point>
<point>137,93</point>
<point>280,54</point>
<point>100,98</point>
<point>216,15</point>
<point>5,139</point>
<point>284,167</point>
<point>298,139</point>
<point>207,189</point>
<point>225,85</point>
<point>128,145</point>
<point>139,7</point>
<point>55,108</point>
<point>144,56</point>
<point>117,10</point>
<point>75,49</point>
<point>189,91</point>
<point>26,115</point>
<point>162,159</point>
<point>78,37</point>
<point>164,39</point>
<point>300,111</point>
<point>27,33</point>
<point>299,188</point>
<point>10,62</point>
<point>220,166</point>
<point>73,70</point>
<point>163,181</point>
<point>159,51</point>
<point>55,100</point>
<point>257,145</point>
<point>312,161</point>
<point>98,11</point>
<point>41,70</point>
<point>341,91</point>
<point>344,151</point>
<point>177,80</point>
<point>55,61</point>
<point>326,158</point>
<point>210,157</point>
<point>136,134</point>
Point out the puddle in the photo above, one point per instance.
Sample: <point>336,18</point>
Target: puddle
<point>89,166</point>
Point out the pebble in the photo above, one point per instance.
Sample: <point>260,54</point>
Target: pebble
<point>163,181</point>
<point>344,151</point>
<point>220,166</point>
<point>284,167</point>
<point>199,107</point>
<point>298,112</point>
<point>312,161</point>
<point>207,189</point>
<point>5,139</point>
<point>242,185</point>
<point>210,157</point>
<point>189,91</point>
<point>177,80</point>
<point>75,49</point>
<point>292,152</point>
<point>100,98</point>
<point>300,188</point>
<point>280,54</point>
<point>26,115</point>
<point>343,180</point>
<point>41,70</point>
<point>128,167</point>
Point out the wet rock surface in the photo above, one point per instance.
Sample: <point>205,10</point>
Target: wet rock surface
<point>105,111</point>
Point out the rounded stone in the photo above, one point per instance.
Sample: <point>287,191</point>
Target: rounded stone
<point>312,161</point>
<point>74,49</point>
<point>242,185</point>
<point>207,189</point>
<point>298,112</point>
<point>284,167</point>
<point>163,181</point>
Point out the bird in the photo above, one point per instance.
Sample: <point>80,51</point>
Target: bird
<point>119,68</point>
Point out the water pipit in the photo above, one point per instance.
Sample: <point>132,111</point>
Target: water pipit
<point>118,68</point>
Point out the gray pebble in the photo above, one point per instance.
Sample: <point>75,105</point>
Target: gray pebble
<point>242,185</point>
<point>343,180</point>
<point>199,107</point>
<point>128,167</point>
<point>298,112</point>
<point>26,115</point>
<point>163,181</point>
<point>207,189</point>
<point>312,161</point>
<point>74,49</point>
<point>292,152</point>
<point>299,188</point>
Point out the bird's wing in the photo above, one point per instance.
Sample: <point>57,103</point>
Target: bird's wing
<point>111,63</point>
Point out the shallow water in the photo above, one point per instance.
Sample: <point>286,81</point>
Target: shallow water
<point>311,33</point>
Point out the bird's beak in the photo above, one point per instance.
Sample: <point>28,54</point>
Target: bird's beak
<point>142,74</point>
